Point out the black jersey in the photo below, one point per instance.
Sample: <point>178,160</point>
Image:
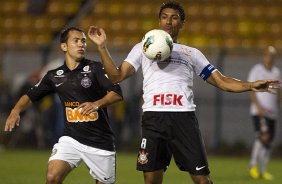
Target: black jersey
<point>87,83</point>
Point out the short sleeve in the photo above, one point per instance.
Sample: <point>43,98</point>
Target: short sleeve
<point>202,66</point>
<point>135,56</point>
<point>43,88</point>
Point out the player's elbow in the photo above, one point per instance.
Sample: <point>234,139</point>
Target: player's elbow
<point>119,98</point>
<point>114,78</point>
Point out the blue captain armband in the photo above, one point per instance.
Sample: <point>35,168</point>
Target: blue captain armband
<point>207,71</point>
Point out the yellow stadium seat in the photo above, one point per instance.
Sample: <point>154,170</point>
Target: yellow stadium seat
<point>57,23</point>
<point>240,11</point>
<point>41,23</point>
<point>99,8</point>
<point>231,43</point>
<point>260,28</point>
<point>26,38</point>
<point>199,40</point>
<point>195,26</point>
<point>43,38</point>
<point>9,7</point>
<point>131,9</point>
<point>225,11</point>
<point>22,7</point>
<point>275,28</point>
<point>257,12</point>
<point>273,12</point>
<point>11,38</point>
<point>132,25</point>
<point>245,27</point>
<point>209,10</point>
<point>26,23</point>
<point>55,8</point>
<point>193,10</point>
<point>213,27</point>
<point>10,23</point>
<point>115,9</point>
<point>85,22</point>
<point>70,8</point>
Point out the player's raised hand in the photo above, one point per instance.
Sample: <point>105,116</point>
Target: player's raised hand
<point>97,35</point>
<point>12,121</point>
<point>266,86</point>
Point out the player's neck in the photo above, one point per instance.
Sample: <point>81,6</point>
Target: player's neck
<point>267,66</point>
<point>72,64</point>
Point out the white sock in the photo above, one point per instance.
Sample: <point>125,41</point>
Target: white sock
<point>255,152</point>
<point>264,159</point>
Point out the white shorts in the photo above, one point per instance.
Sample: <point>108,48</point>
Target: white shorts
<point>102,163</point>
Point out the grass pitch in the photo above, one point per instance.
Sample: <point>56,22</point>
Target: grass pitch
<point>29,167</point>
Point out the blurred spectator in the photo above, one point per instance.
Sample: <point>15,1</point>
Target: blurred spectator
<point>264,111</point>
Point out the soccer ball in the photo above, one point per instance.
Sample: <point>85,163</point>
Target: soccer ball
<point>157,45</point>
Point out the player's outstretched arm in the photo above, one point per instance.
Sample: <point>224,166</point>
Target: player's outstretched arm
<point>89,107</point>
<point>237,86</point>
<point>14,117</point>
<point>115,74</point>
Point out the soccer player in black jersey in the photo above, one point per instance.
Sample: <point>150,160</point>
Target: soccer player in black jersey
<point>169,124</point>
<point>84,91</point>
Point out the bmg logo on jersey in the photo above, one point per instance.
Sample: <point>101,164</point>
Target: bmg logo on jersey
<point>167,99</point>
<point>73,115</point>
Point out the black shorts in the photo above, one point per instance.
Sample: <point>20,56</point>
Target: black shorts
<point>270,126</point>
<point>172,133</point>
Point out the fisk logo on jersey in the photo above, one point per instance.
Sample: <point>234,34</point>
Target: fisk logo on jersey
<point>167,99</point>
<point>73,115</point>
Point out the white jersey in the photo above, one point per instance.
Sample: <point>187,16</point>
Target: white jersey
<point>167,85</point>
<point>268,101</point>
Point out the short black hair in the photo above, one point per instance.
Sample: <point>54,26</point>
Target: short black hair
<point>65,33</point>
<point>173,5</point>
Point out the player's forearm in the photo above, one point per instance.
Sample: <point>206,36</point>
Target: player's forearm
<point>112,71</point>
<point>110,98</point>
<point>235,85</point>
<point>228,84</point>
<point>23,103</point>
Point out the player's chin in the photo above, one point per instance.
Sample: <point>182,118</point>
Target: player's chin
<point>80,58</point>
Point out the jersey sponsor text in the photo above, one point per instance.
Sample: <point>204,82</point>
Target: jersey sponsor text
<point>72,104</point>
<point>168,99</point>
<point>74,116</point>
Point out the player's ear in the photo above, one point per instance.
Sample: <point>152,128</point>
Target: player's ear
<point>64,47</point>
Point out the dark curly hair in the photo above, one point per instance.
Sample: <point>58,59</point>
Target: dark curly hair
<point>174,5</point>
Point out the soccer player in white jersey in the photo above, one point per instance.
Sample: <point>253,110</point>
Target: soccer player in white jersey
<point>264,109</point>
<point>169,124</point>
